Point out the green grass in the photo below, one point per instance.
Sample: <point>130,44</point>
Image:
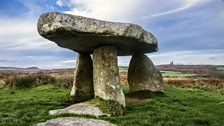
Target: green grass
<point>125,88</point>
<point>29,106</point>
<point>219,69</point>
<point>177,106</point>
<point>123,69</point>
<point>170,73</point>
<point>108,106</point>
<point>176,74</point>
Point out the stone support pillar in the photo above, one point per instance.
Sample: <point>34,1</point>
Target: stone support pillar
<point>83,81</point>
<point>142,75</point>
<point>106,75</point>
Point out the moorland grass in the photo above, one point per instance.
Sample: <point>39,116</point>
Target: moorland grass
<point>176,74</point>
<point>25,107</point>
<point>219,69</point>
<point>177,106</point>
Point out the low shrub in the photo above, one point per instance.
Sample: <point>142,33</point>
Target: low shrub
<point>21,81</point>
<point>44,79</point>
<point>66,82</point>
<point>27,81</point>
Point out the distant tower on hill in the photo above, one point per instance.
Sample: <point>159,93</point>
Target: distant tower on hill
<point>171,63</point>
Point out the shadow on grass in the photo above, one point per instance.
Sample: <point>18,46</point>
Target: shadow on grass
<point>145,94</point>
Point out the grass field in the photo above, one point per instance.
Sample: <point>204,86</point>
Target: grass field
<point>123,69</point>
<point>176,74</point>
<point>177,106</point>
<point>29,106</point>
<point>166,73</point>
<point>220,69</point>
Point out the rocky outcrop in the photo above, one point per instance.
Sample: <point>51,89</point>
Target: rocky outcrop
<point>75,121</point>
<point>82,88</point>
<point>84,108</point>
<point>106,74</point>
<point>142,75</point>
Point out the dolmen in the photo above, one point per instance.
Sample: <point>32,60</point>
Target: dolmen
<point>99,75</point>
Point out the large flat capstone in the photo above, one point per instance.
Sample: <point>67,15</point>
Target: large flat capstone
<point>83,34</point>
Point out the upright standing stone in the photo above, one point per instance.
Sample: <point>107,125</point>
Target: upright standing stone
<point>83,81</point>
<point>106,74</point>
<point>142,75</point>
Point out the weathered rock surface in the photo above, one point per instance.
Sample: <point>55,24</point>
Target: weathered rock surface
<point>75,121</point>
<point>106,74</point>
<point>84,108</point>
<point>142,75</point>
<point>83,34</point>
<point>83,81</point>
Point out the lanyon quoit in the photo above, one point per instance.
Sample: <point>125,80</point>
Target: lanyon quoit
<point>105,40</point>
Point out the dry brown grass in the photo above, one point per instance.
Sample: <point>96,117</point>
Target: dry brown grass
<point>65,78</point>
<point>197,82</point>
<point>29,79</point>
<point>123,79</point>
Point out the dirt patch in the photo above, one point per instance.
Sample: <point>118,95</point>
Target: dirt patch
<point>134,100</point>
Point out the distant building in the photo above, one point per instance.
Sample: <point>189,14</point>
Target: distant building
<point>171,63</point>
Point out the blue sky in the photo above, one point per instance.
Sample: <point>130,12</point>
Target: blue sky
<point>188,31</point>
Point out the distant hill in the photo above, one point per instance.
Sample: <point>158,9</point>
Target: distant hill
<point>17,69</point>
<point>197,69</point>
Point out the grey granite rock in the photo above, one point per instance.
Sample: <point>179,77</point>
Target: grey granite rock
<point>83,34</point>
<point>106,75</point>
<point>82,88</point>
<point>84,108</point>
<point>142,75</point>
<point>75,121</point>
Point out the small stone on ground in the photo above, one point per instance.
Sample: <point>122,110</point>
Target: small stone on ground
<point>84,108</point>
<point>75,121</point>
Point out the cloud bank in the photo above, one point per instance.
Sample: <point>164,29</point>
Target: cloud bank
<point>189,31</point>
<point>126,10</point>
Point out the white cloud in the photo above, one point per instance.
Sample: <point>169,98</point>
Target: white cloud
<point>170,21</point>
<point>22,46</point>
<point>127,10</point>
<point>59,3</point>
<point>186,4</point>
<point>22,34</point>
